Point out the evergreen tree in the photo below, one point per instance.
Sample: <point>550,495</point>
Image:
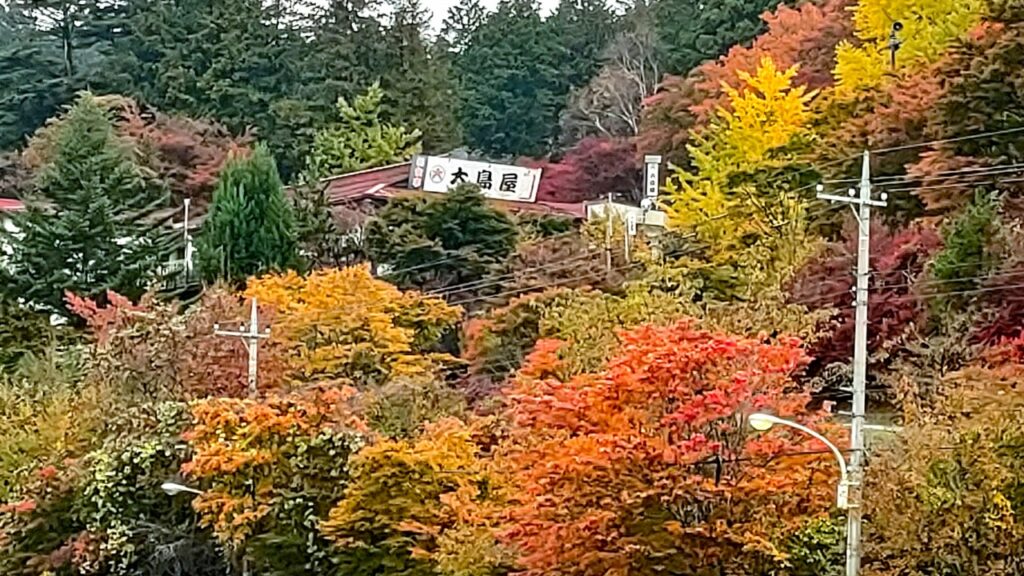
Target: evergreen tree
<point>442,242</point>
<point>32,87</point>
<point>509,85</point>
<point>418,78</point>
<point>91,225</point>
<point>967,253</point>
<point>250,229</point>
<point>360,139</point>
<point>238,61</point>
<point>584,29</point>
<point>692,31</point>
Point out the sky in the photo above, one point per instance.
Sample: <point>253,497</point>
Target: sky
<point>439,8</point>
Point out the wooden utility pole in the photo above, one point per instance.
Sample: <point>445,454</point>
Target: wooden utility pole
<point>250,337</point>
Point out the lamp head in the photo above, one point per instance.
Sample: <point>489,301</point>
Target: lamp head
<point>173,489</point>
<point>762,422</point>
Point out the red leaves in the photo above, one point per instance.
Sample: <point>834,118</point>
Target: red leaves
<point>592,169</point>
<point>611,469</point>
<point>897,259</point>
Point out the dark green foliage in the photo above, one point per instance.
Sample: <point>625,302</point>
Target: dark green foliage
<point>418,78</point>
<point>93,222</point>
<point>250,229</point>
<point>21,332</point>
<point>439,243</point>
<point>31,85</point>
<point>693,31</point>
<point>509,86</point>
<point>584,29</point>
<point>967,254</point>
<point>232,60</point>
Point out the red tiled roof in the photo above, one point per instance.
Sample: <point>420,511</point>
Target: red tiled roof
<point>392,182</point>
<point>11,205</point>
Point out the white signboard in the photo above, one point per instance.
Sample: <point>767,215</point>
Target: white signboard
<point>497,181</point>
<point>653,176</point>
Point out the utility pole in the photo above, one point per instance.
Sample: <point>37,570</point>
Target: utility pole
<point>863,204</point>
<point>188,244</point>
<point>250,337</point>
<point>608,236</point>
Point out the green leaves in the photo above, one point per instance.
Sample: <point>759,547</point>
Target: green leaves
<point>250,229</point>
<point>359,139</point>
<point>94,204</point>
<point>440,242</point>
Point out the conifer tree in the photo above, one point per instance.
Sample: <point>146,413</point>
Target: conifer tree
<point>360,138</point>
<point>438,243</point>
<point>250,229</point>
<point>92,223</point>
<point>510,88</point>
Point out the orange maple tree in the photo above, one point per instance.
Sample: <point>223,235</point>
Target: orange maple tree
<point>270,467</point>
<point>647,467</point>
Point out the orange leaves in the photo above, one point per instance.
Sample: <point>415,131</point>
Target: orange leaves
<point>255,454</point>
<point>345,324</point>
<point>616,471</point>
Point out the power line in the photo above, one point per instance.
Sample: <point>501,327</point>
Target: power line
<point>949,140</point>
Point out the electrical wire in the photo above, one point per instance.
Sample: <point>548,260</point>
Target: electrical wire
<point>949,140</point>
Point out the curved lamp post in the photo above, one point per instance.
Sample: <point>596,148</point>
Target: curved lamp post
<point>173,489</point>
<point>764,422</point>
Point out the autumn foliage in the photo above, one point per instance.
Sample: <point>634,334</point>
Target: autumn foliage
<point>346,325</point>
<point>616,472</point>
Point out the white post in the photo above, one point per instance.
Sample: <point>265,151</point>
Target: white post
<point>188,243</point>
<point>608,236</point>
<point>251,337</point>
<point>860,358</point>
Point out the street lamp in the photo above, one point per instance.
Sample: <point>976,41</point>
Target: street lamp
<point>764,422</point>
<point>173,489</point>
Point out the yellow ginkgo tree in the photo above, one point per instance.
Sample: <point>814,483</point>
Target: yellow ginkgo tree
<point>926,29</point>
<point>740,197</point>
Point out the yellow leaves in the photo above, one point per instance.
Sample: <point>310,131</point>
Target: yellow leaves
<point>767,113</point>
<point>734,199</point>
<point>346,324</point>
<point>858,70</point>
<point>929,28</point>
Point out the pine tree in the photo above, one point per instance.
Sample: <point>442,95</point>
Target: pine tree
<point>418,78</point>
<point>250,229</point>
<point>92,223</point>
<point>443,242</point>
<point>237,61</point>
<point>360,138</point>
<point>509,85</point>
<point>693,31</point>
<point>584,29</point>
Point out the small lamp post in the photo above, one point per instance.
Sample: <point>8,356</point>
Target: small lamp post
<point>764,422</point>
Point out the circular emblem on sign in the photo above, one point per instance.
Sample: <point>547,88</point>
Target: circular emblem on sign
<point>437,175</point>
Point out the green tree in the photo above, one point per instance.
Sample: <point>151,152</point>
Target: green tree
<point>509,86</point>
<point>418,78</point>
<point>250,228</point>
<point>31,85</point>
<point>436,243</point>
<point>360,138</point>
<point>584,28</point>
<point>693,31</point>
<point>967,254</point>
<point>93,222</point>
<point>238,61</point>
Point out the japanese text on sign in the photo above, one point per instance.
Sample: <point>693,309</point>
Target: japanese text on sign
<point>498,181</point>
